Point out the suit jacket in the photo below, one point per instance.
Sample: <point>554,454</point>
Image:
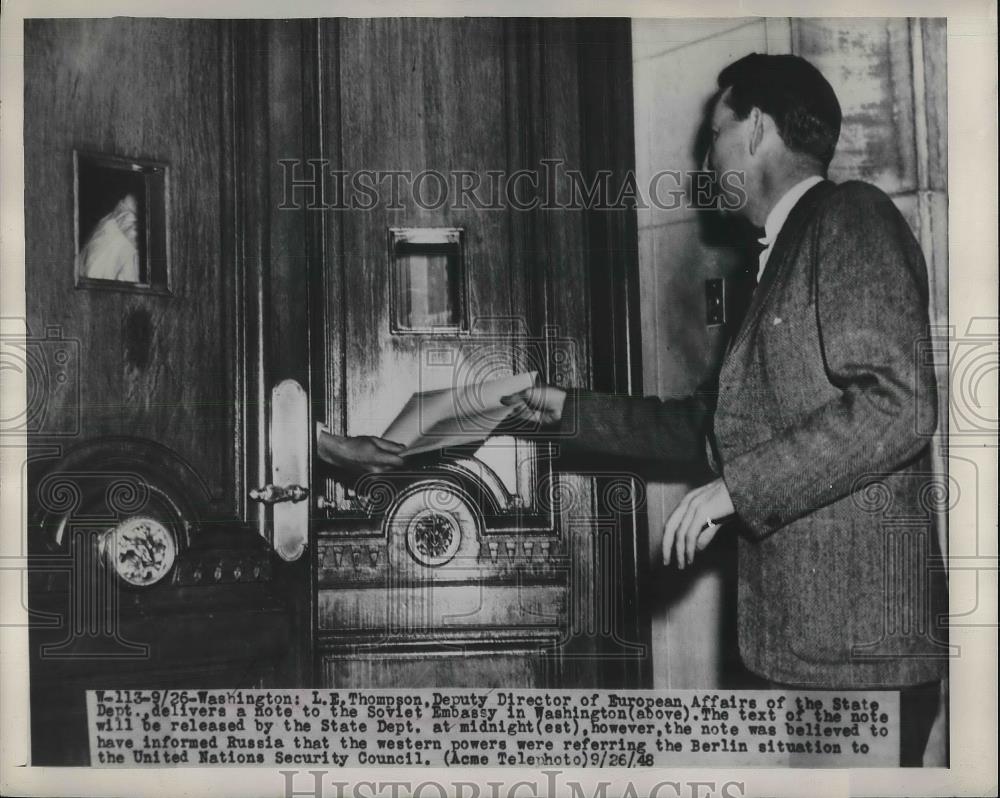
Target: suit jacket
<point>815,434</point>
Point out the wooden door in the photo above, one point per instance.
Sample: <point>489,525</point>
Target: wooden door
<point>143,411</point>
<point>488,565</point>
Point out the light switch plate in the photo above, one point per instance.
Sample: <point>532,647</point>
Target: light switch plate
<point>715,302</point>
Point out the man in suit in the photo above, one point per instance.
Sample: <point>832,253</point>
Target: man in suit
<point>814,437</point>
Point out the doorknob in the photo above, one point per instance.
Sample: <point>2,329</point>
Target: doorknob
<point>273,494</point>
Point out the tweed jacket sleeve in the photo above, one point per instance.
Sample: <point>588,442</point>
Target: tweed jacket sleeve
<point>663,431</point>
<point>868,295</point>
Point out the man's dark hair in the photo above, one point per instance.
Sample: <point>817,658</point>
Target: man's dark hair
<point>793,93</point>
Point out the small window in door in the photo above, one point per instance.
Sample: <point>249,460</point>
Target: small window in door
<point>427,280</point>
<point>121,223</point>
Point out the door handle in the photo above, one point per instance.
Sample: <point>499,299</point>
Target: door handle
<point>273,494</point>
<point>291,432</point>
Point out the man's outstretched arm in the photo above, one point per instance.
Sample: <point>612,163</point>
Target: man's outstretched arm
<point>667,431</point>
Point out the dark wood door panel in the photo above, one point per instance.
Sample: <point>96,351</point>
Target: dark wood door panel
<point>142,416</point>
<point>154,366</point>
<point>414,96</point>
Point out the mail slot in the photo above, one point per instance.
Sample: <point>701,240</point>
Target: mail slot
<point>428,280</point>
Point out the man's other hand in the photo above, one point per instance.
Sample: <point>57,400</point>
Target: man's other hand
<point>539,404</point>
<point>365,454</point>
<point>692,525</point>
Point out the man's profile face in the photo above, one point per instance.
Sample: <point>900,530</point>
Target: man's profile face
<point>727,149</point>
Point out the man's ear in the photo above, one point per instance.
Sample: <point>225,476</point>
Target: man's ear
<point>756,129</point>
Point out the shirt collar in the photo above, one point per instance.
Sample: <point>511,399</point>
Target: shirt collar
<point>779,213</point>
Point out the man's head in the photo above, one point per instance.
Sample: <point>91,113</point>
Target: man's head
<point>774,117</point>
<point>793,93</point>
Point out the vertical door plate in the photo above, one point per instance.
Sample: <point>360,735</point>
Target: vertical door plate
<point>290,427</point>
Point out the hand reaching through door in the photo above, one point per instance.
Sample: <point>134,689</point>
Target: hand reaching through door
<point>363,454</point>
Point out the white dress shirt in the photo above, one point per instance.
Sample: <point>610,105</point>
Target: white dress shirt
<point>776,218</point>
